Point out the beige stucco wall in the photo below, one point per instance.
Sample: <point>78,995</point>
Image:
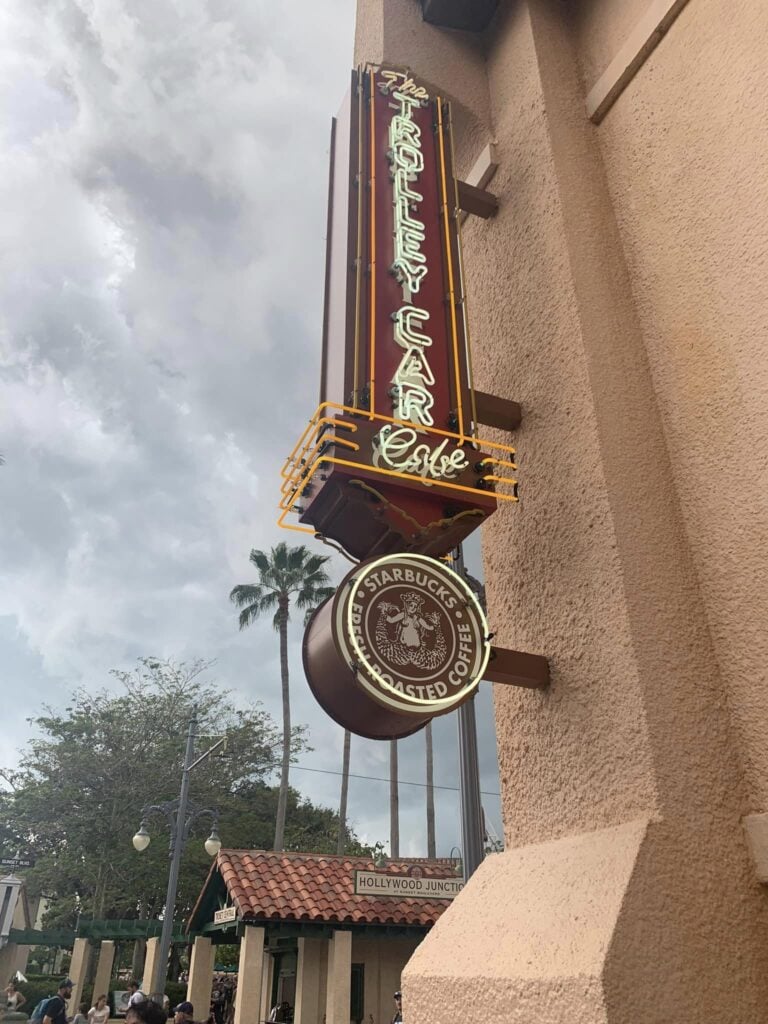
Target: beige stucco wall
<point>684,152</point>
<point>621,296</point>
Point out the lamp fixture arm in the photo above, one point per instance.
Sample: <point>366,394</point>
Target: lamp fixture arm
<point>192,817</point>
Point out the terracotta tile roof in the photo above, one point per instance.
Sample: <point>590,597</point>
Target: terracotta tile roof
<point>317,887</point>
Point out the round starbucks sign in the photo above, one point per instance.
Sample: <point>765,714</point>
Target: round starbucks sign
<point>402,640</point>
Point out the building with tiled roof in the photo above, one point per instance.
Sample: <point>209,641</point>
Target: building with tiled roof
<point>330,935</point>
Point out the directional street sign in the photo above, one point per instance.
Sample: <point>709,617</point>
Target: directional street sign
<point>17,862</point>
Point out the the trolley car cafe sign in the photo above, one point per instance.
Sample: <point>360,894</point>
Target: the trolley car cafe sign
<point>375,883</point>
<point>391,459</point>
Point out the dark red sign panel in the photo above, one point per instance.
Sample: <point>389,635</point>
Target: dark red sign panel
<point>391,460</point>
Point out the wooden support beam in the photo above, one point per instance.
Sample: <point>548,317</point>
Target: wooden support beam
<point>516,668</point>
<point>477,201</point>
<point>639,45</point>
<point>502,413</point>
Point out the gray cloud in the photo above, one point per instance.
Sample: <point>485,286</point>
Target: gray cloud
<point>163,173</point>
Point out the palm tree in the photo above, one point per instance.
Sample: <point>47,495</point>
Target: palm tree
<point>394,803</point>
<point>344,792</point>
<point>284,575</point>
<point>341,838</point>
<point>431,846</point>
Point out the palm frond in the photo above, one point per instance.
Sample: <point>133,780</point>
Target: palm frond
<point>260,560</point>
<point>322,596</point>
<point>315,563</point>
<point>245,593</point>
<point>268,601</point>
<point>297,558</point>
<point>283,572</point>
<point>248,615</point>
<point>281,556</point>
<point>311,596</point>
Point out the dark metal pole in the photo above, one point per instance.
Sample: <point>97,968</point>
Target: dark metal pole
<point>469,781</point>
<point>394,803</point>
<point>469,773</point>
<point>178,838</point>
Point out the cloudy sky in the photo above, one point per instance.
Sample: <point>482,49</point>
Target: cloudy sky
<point>163,168</point>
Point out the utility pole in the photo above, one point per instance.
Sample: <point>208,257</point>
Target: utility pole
<point>394,803</point>
<point>469,771</point>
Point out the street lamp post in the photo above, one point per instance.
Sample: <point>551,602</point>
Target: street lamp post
<point>179,815</point>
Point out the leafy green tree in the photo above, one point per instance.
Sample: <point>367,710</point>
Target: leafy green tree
<point>284,575</point>
<point>77,797</point>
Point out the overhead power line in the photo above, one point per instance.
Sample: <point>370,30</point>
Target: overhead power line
<point>375,778</point>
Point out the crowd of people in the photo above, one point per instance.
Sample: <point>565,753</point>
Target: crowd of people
<point>223,994</point>
<point>143,1010</point>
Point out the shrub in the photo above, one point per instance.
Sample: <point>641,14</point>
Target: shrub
<point>36,988</point>
<point>177,993</point>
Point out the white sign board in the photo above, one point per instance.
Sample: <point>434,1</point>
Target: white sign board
<point>121,998</point>
<point>372,883</point>
<point>227,914</point>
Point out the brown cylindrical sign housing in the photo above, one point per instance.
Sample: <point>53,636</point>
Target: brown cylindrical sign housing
<point>402,640</point>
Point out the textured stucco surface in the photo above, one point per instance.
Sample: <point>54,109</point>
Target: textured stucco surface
<point>450,64</point>
<point>620,296</point>
<point>685,153</point>
<point>603,26</point>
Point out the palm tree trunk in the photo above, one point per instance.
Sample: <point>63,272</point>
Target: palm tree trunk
<point>431,846</point>
<point>340,842</point>
<point>394,803</point>
<point>139,947</point>
<point>282,800</point>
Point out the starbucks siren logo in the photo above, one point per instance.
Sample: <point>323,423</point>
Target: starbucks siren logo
<point>408,635</point>
<point>413,632</point>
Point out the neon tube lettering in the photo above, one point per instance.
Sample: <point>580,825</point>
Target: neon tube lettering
<point>402,450</point>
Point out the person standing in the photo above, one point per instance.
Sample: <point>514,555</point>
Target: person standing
<point>55,1011</point>
<point>14,999</point>
<point>184,1013</point>
<point>99,1012</point>
<point>217,1002</point>
<point>136,995</point>
<point>397,1019</point>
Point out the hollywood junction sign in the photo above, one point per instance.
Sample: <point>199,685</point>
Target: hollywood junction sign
<point>375,883</point>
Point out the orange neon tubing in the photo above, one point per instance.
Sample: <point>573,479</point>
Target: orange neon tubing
<point>372,311</point>
<point>451,289</point>
<point>316,423</point>
<point>311,455</point>
<point>352,411</point>
<point>359,249</point>
<point>447,484</point>
<point>309,434</point>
